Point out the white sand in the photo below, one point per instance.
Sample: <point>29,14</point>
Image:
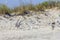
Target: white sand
<point>33,27</point>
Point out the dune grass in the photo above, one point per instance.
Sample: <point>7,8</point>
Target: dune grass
<point>30,7</point>
<point>4,8</point>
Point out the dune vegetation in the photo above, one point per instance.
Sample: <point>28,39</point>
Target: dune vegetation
<point>41,6</point>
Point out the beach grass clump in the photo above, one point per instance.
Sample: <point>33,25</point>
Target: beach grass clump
<point>30,7</point>
<point>4,9</point>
